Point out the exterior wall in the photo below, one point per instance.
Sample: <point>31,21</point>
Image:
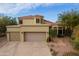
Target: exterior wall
<point>34,29</point>
<point>29,21</point>
<point>13,29</point>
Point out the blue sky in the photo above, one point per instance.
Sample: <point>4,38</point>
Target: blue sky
<point>48,10</point>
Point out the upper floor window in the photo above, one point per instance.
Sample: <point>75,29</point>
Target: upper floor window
<point>37,20</point>
<point>20,21</point>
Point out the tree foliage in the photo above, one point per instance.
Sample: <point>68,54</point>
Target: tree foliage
<point>69,19</point>
<point>75,37</point>
<point>6,20</point>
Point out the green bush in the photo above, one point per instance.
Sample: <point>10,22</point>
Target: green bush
<point>52,32</point>
<point>76,43</point>
<point>75,37</point>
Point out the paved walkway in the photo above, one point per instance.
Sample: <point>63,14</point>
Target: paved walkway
<point>25,49</point>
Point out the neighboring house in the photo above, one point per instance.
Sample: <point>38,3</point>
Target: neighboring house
<point>30,28</point>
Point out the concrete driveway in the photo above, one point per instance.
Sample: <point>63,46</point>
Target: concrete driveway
<point>25,49</point>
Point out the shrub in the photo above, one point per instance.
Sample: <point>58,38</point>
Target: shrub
<point>76,43</point>
<point>75,37</point>
<point>52,32</point>
<point>75,33</point>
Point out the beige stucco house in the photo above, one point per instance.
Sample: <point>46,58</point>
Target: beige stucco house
<point>30,29</point>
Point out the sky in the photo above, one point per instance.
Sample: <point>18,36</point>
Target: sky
<point>50,11</point>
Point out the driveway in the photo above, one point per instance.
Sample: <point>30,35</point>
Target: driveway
<point>25,49</point>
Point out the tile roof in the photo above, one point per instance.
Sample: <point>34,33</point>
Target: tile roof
<point>49,22</point>
<point>30,17</point>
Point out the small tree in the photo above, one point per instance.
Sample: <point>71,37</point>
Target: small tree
<point>69,19</point>
<point>52,34</point>
<point>4,21</point>
<point>75,37</point>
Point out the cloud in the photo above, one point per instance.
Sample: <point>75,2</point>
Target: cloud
<point>13,9</point>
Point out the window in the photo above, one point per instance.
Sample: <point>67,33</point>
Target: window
<point>20,21</point>
<point>37,20</point>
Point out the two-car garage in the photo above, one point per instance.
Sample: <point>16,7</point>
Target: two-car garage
<point>34,37</point>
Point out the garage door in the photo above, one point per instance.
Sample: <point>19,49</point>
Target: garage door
<point>33,37</point>
<point>14,36</point>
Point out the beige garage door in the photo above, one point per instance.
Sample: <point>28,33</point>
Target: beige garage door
<point>33,37</point>
<point>14,36</point>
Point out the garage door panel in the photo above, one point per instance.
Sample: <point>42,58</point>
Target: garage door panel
<point>33,37</point>
<point>14,36</point>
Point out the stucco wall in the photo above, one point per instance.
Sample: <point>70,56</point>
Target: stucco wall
<point>29,28</point>
<point>29,21</point>
<point>35,29</point>
<point>13,29</point>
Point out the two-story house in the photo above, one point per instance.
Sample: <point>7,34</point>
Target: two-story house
<point>30,29</point>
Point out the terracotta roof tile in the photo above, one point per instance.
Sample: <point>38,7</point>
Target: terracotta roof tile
<point>29,17</point>
<point>49,22</point>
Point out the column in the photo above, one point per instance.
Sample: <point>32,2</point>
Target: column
<point>47,35</point>
<point>8,36</point>
<point>62,31</point>
<point>22,36</point>
<point>57,30</point>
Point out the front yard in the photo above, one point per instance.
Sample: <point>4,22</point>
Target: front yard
<point>61,46</point>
